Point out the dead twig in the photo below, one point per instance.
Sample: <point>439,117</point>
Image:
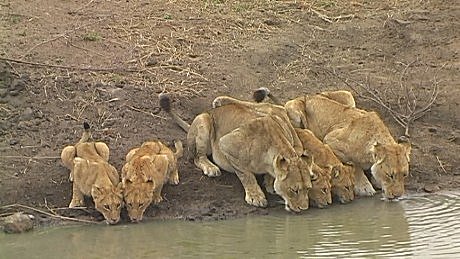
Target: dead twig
<point>47,213</point>
<point>440,165</point>
<point>96,69</point>
<point>410,111</point>
<point>32,157</point>
<point>60,36</point>
<point>145,112</point>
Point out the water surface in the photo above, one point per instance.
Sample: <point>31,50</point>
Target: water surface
<point>420,226</point>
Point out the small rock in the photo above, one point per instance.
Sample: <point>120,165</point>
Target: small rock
<point>18,223</point>
<point>431,188</point>
<point>152,61</point>
<point>3,92</point>
<point>432,130</point>
<point>27,114</point>
<point>17,85</point>
<point>13,142</point>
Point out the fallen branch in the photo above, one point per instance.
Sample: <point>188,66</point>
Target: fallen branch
<point>32,157</point>
<point>47,213</point>
<point>440,165</point>
<point>412,111</point>
<point>60,36</point>
<point>95,69</point>
<point>145,112</point>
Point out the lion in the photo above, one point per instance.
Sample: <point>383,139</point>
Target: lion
<point>146,170</point>
<point>320,194</point>
<point>248,142</point>
<point>358,136</point>
<point>341,175</point>
<point>92,175</point>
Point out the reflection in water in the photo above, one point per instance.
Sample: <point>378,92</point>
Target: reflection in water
<point>422,226</point>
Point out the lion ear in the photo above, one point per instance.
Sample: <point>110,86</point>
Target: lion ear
<point>119,190</point>
<point>335,171</point>
<point>281,164</point>
<point>405,143</point>
<point>378,152</point>
<point>96,191</point>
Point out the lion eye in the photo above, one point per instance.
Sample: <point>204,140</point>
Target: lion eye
<point>295,191</point>
<point>141,205</point>
<point>324,190</point>
<point>106,207</point>
<point>118,205</point>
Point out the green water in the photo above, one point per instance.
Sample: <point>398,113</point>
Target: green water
<point>417,227</point>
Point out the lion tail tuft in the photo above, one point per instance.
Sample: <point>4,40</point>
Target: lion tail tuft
<point>260,94</point>
<point>86,134</point>
<point>165,102</point>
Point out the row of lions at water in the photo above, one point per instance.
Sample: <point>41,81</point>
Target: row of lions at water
<point>310,151</point>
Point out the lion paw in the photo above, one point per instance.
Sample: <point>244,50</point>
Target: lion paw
<point>366,190</point>
<point>76,203</point>
<point>211,170</point>
<point>256,199</point>
<point>157,199</point>
<point>174,180</point>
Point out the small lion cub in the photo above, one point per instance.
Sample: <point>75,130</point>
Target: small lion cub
<point>92,175</point>
<point>147,168</point>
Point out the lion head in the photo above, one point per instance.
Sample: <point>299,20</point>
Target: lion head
<point>138,196</point>
<point>140,178</point>
<point>108,201</point>
<point>391,167</point>
<point>320,193</point>
<point>343,182</point>
<point>293,181</point>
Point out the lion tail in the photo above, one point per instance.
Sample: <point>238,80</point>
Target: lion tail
<point>86,133</point>
<point>263,92</point>
<point>179,149</point>
<point>165,104</point>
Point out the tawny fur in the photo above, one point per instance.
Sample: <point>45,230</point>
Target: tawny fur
<point>355,135</point>
<point>248,142</point>
<point>146,170</point>
<point>92,175</point>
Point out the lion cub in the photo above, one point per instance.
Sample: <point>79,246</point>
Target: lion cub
<point>147,168</point>
<point>92,175</point>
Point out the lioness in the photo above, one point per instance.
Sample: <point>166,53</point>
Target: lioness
<point>249,142</point>
<point>147,168</point>
<point>92,175</point>
<point>358,136</point>
<point>320,193</point>
<point>342,179</point>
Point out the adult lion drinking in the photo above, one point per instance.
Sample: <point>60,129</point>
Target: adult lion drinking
<point>354,135</point>
<point>248,142</point>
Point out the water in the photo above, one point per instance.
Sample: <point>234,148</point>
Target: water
<point>418,227</point>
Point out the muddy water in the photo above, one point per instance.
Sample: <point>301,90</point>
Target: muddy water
<point>420,226</point>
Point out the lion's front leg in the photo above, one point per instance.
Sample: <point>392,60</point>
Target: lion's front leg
<point>174,177</point>
<point>199,138</point>
<point>363,186</point>
<point>77,197</point>
<point>269,182</point>
<point>67,156</point>
<point>157,198</point>
<point>254,194</point>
